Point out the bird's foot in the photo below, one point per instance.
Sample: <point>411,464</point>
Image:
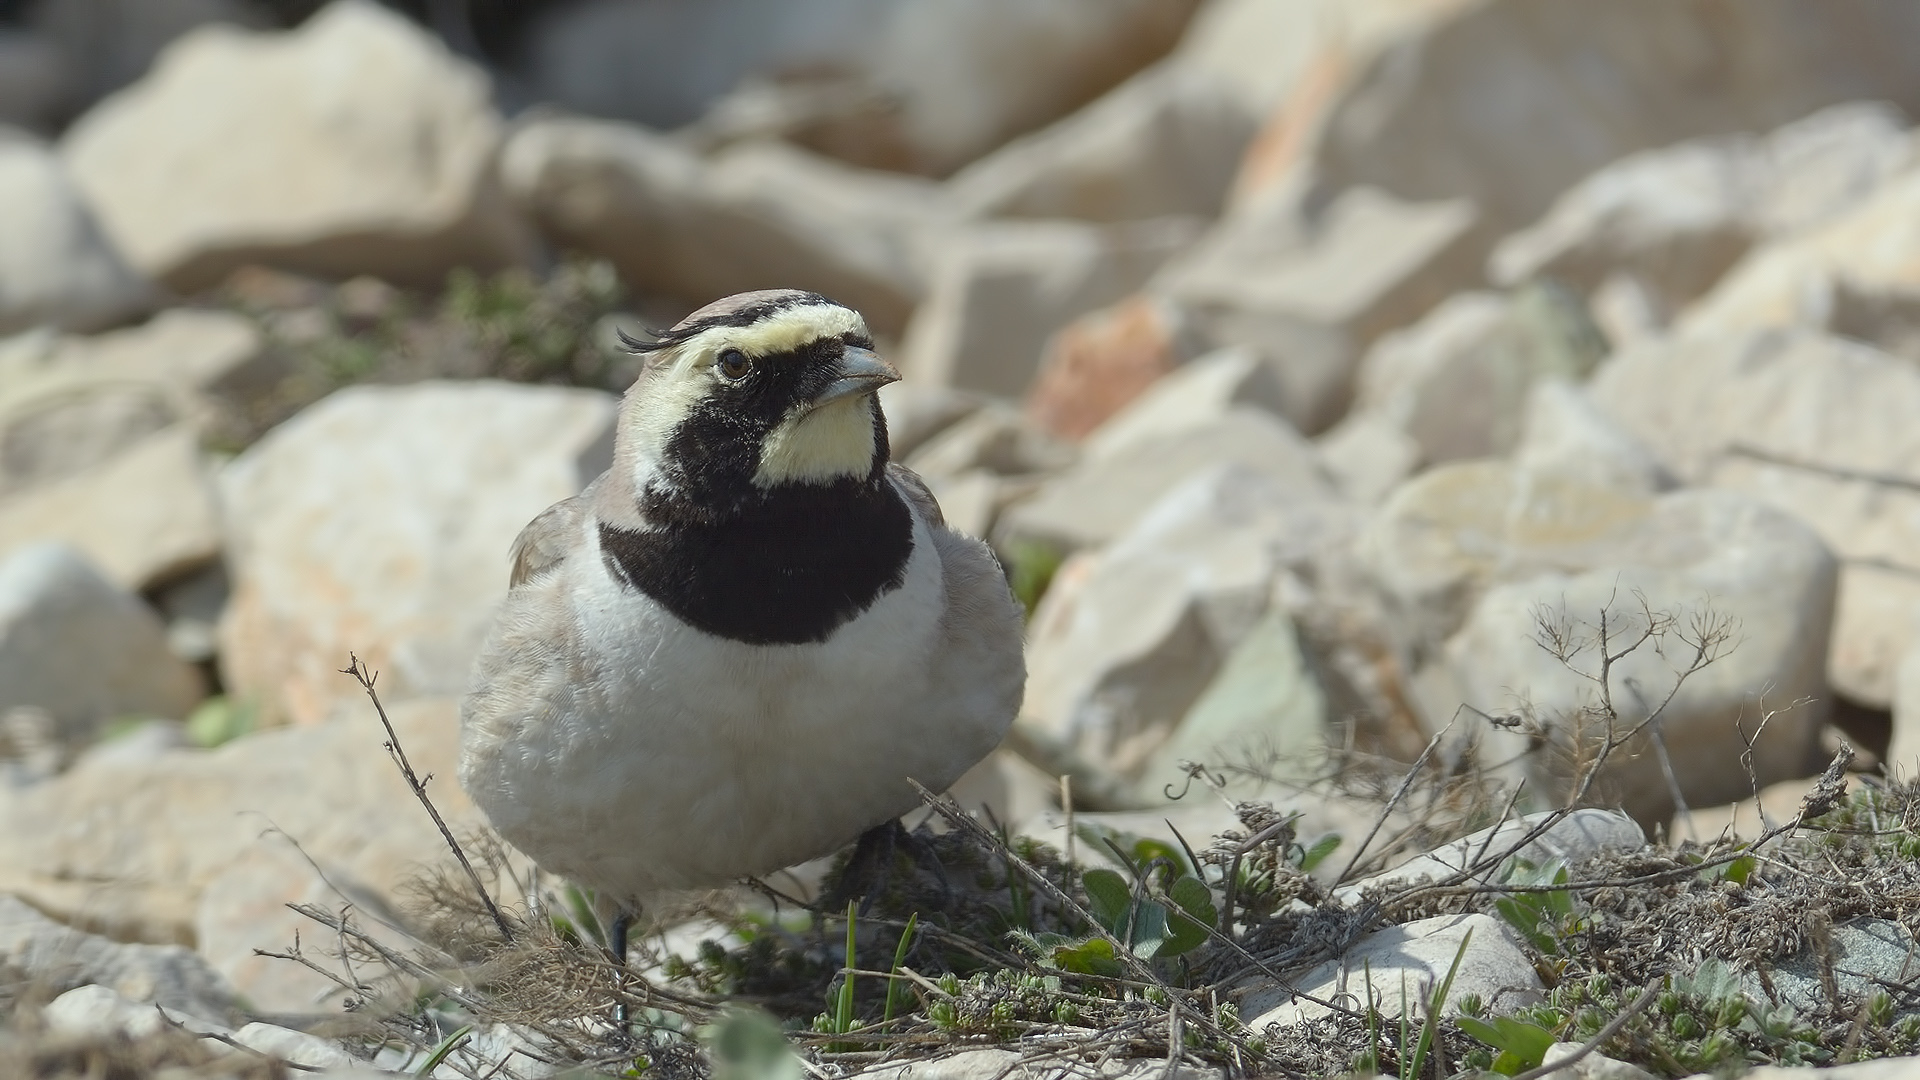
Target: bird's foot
<point>869,870</point>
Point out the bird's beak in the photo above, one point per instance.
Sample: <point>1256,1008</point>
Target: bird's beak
<point>860,371</point>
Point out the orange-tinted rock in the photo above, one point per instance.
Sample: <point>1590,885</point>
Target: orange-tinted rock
<point>1103,360</point>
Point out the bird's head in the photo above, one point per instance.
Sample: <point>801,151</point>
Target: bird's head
<point>754,392</point>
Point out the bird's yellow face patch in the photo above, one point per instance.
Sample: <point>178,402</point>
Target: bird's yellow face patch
<point>821,445</point>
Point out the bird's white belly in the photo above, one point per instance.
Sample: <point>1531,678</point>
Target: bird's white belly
<point>725,759</point>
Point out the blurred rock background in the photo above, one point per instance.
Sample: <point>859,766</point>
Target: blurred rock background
<point>1323,370</point>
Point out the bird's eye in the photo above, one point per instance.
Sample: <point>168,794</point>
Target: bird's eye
<point>734,365</point>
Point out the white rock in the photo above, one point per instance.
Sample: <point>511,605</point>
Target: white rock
<point>1167,142</point>
<point>94,1011</point>
<point>758,216</point>
<point>1263,711</point>
<point>1857,276</point>
<point>1819,427</point>
<point>1696,555</point>
<point>1409,111</point>
<point>1368,455</point>
<point>989,1064</point>
<point>1100,498</point>
<point>297,1047</point>
<point>1594,1066</point>
<point>1191,397</point>
<point>1408,963</point>
<point>79,647</point>
<point>1676,218</point>
<point>1457,380</point>
<point>1899,1068</point>
<point>1903,755</point>
<point>243,147</point>
<point>61,957</point>
<point>1563,432</point>
<point>921,86</point>
<point>142,516</point>
<point>918,411</point>
<point>1127,638</point>
<point>379,521</point>
<point>1580,835</point>
<point>132,848</point>
<point>56,267</point>
<point>998,291</point>
<point>994,438</point>
<point>1313,295</point>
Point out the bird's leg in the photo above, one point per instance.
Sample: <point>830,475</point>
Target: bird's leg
<point>921,851</point>
<point>617,945</point>
<point>867,869</point>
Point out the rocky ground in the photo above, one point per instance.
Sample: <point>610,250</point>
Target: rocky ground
<point>1406,421</point>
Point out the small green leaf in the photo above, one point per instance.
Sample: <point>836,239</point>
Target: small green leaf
<point>447,1046</point>
<point>1318,852</point>
<point>1090,956</point>
<point>1187,927</point>
<point>1522,1045</point>
<point>1109,895</point>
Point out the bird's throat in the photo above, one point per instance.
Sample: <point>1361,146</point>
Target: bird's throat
<point>787,568</point>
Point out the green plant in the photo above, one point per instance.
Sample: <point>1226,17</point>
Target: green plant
<point>1545,917</point>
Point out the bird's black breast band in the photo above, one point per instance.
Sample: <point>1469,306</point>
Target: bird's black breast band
<point>788,569</point>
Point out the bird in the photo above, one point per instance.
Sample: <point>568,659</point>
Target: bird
<point>732,651</point>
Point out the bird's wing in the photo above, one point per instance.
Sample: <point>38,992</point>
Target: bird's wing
<point>544,543</point>
<point>982,657</point>
<point>917,494</point>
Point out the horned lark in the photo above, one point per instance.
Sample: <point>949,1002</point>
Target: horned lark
<point>729,654</point>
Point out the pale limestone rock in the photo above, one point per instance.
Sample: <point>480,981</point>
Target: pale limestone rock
<point>1582,834</point>
<point>81,648</point>
<point>1903,755</point>
<point>1096,365</point>
<point>1407,963</point>
<point>1100,498</point>
<point>242,147</point>
<point>1676,218</point>
<point>993,1064</point>
<point>1263,709</point>
<point>130,849</point>
<point>1189,398</point>
<point>1580,85</point>
<point>1564,432</point>
<point>1441,539</point>
<point>1128,637</point>
<point>1167,142</point>
<point>1747,818</point>
<point>919,86</point>
<point>1816,426</point>
<point>1858,276</point>
<point>143,516</point>
<point>995,438</point>
<point>1368,455</point>
<point>998,291</point>
<point>1594,1066</point>
<point>60,958</point>
<point>69,403</point>
<point>56,268</point>
<point>1312,296</point>
<point>1695,557</point>
<point>918,411</point>
<point>758,216</point>
<point>360,526</point>
<point>1457,380</point>
<point>96,1011</point>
